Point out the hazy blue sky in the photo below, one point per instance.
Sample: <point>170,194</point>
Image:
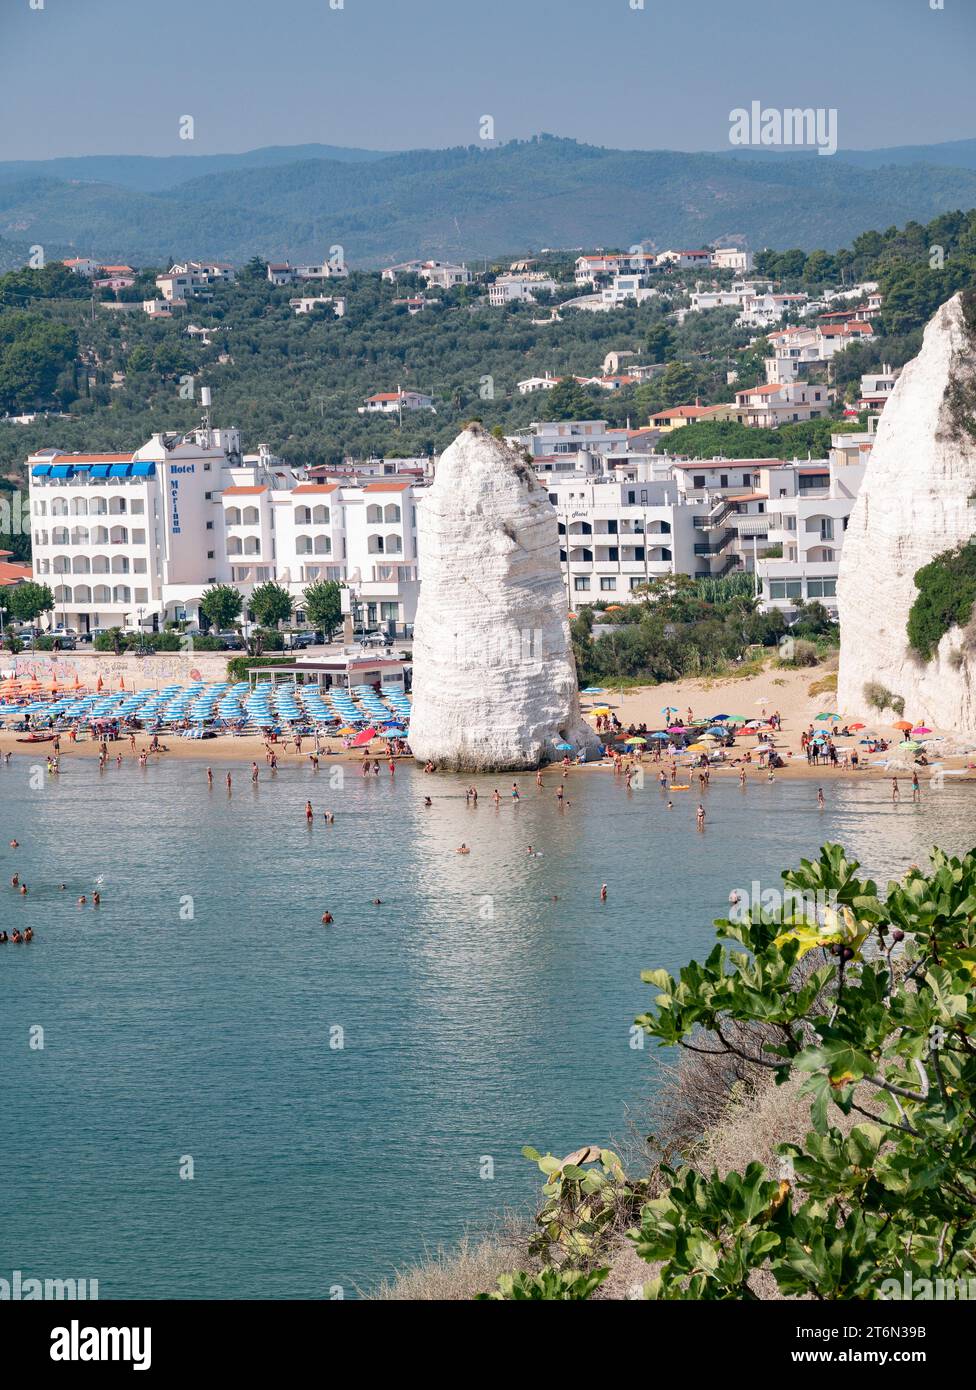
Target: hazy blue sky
<point>114,76</point>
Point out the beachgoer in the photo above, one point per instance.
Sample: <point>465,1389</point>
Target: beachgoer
<point>309,814</point>
<point>820,798</point>
<point>427,801</point>
<point>895,793</point>
<point>916,789</point>
<point>462,849</point>
<point>700,817</point>
<point>603,893</point>
<point>209,776</point>
<point>327,919</point>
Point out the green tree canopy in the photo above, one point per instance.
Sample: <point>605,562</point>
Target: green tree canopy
<point>270,604</point>
<point>29,600</point>
<point>322,604</point>
<point>221,605</point>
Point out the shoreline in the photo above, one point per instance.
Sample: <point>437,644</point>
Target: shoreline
<point>797,695</point>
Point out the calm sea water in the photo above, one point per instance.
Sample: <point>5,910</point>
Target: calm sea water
<point>479,1012</point>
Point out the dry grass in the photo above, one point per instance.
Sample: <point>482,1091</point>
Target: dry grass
<point>468,1268</point>
<point>826,685</point>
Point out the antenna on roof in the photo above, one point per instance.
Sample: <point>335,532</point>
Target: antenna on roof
<point>205,402</point>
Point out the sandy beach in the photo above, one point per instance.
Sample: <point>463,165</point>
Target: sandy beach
<point>797,696</point>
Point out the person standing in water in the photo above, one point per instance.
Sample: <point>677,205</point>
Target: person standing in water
<point>603,893</point>
<point>916,789</point>
<point>700,817</point>
<point>820,798</point>
<point>309,815</point>
<point>209,776</point>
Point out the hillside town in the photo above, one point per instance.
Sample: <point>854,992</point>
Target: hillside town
<point>133,539</point>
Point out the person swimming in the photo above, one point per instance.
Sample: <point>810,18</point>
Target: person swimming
<point>462,849</point>
<point>3,936</point>
<point>82,900</point>
<point>327,919</point>
<point>427,801</point>
<point>328,817</point>
<point>29,934</point>
<point>16,936</point>
<point>96,899</point>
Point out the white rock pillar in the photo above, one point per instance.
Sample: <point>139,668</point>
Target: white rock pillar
<point>494,678</point>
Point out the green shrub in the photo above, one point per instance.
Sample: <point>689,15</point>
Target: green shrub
<point>879,697</point>
<point>946,593</point>
<point>868,1006</point>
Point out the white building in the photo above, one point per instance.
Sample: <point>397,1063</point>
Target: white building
<point>81,265</point>
<point>876,387</point>
<point>809,508</point>
<point>732,258</point>
<point>537,383</point>
<point>392,402</point>
<point>135,539</point>
<point>787,403</point>
<point>308,304</point>
<point>685,260</point>
<point>508,289</point>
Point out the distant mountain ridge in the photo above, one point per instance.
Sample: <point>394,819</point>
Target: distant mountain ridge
<point>469,202</point>
<point>154,173</point>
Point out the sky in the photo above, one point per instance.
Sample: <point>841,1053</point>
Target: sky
<point>116,76</point>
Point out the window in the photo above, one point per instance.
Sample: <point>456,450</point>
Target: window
<point>138,506</point>
<point>210,554</point>
<point>723,480</point>
<point>631,498</point>
<point>698,480</point>
<point>639,552</point>
<point>389,612</point>
<point>554,498</point>
<point>608,584</point>
<point>613,552</point>
<point>249,516</point>
<point>611,528</point>
<point>821,588</point>
<point>785,588</point>
<point>635,581</point>
<point>581,584</point>
<point>391,513</point>
<point>209,525</point>
<point>374,513</point>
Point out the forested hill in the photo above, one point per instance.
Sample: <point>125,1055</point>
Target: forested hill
<point>469,202</point>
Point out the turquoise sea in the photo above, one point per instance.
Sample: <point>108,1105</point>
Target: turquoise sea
<point>484,1004</point>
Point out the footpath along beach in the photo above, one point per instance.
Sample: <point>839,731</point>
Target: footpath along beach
<point>779,691</point>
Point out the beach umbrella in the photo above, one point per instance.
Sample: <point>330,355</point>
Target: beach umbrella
<point>829,716</point>
<point>715,719</point>
<point>902,724</point>
<point>697,747</point>
<point>921,729</point>
<point>708,738</point>
<point>635,740</point>
<point>857,726</point>
<point>364,737</point>
<point>565,747</point>
<point>600,709</point>
<point>593,690</point>
<point>676,728</point>
<point>658,735</point>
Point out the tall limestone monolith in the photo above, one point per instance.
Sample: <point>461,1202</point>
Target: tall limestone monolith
<point>494,678</point>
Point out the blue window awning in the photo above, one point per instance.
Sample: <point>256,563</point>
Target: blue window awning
<point>119,470</point>
<point>61,470</point>
<point>40,470</point>
<point>144,468</point>
<point>100,470</point>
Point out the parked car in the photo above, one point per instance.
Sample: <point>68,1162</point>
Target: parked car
<point>65,637</point>
<point>231,641</point>
<point>298,641</point>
